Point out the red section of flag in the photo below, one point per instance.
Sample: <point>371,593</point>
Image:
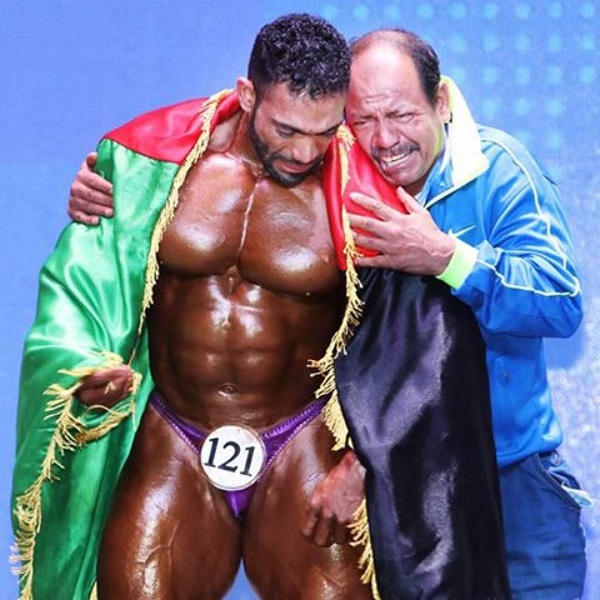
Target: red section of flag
<point>363,176</point>
<point>170,133</point>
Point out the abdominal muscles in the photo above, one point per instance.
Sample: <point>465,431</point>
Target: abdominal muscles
<point>224,350</point>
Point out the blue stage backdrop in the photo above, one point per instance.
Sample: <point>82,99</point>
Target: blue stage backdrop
<point>73,70</point>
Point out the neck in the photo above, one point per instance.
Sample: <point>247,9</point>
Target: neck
<point>233,138</point>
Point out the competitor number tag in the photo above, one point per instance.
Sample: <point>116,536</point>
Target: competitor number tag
<point>232,457</point>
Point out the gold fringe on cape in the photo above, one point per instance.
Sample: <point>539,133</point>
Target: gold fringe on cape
<point>70,432</point>
<point>168,212</point>
<point>325,366</point>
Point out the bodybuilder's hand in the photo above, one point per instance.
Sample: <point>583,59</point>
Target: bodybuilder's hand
<point>106,387</point>
<point>410,242</point>
<point>334,502</point>
<point>91,195</point>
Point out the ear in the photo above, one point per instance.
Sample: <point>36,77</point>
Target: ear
<point>246,93</point>
<point>443,102</point>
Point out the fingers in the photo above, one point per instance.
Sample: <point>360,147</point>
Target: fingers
<point>90,159</point>
<point>310,523</point>
<point>369,242</point>
<point>380,261</point>
<point>82,217</point>
<point>90,178</point>
<point>334,501</point>
<point>86,204</point>
<point>383,218</point>
<point>322,529</point>
<point>90,194</point>
<point>90,186</point>
<point>102,395</point>
<point>90,202</point>
<point>322,533</point>
<point>377,207</point>
<point>384,211</point>
<point>410,203</point>
<point>106,387</point>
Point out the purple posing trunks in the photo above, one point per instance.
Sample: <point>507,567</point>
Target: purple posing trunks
<point>274,439</point>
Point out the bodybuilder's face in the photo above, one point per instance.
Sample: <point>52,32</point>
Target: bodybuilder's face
<point>291,133</point>
<point>393,119</point>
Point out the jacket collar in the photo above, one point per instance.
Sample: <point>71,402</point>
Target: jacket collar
<point>462,160</point>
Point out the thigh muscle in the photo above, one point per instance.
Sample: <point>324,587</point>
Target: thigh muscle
<point>169,534</point>
<point>279,561</point>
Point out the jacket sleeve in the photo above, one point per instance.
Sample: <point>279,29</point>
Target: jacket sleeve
<point>522,279</point>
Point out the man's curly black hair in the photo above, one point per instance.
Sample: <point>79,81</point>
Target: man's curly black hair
<point>304,51</point>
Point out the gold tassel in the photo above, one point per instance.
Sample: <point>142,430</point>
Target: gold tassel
<point>359,530</point>
<point>335,422</point>
<point>346,139</point>
<point>168,212</point>
<point>69,434</point>
<point>332,412</point>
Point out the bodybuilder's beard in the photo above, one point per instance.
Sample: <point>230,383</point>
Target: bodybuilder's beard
<point>287,180</point>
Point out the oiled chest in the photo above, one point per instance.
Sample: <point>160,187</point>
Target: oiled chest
<point>231,217</point>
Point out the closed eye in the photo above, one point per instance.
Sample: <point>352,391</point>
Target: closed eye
<point>330,132</point>
<point>285,133</point>
<point>358,123</point>
<point>402,117</point>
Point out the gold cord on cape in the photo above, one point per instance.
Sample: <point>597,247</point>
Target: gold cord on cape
<point>168,212</point>
<point>70,433</point>
<point>325,366</point>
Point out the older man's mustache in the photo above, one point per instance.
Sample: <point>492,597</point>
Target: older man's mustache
<point>397,150</point>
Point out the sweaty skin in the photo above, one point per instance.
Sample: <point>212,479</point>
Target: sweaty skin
<point>248,292</point>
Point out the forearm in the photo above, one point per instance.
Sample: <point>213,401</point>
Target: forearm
<point>533,294</point>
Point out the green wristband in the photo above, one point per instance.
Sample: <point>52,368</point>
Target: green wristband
<point>460,265</point>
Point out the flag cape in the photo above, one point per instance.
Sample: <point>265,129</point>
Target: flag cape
<point>95,290</point>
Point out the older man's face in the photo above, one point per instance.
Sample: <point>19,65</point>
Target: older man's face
<point>392,118</point>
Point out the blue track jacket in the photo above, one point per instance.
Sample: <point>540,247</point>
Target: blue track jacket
<point>513,266</point>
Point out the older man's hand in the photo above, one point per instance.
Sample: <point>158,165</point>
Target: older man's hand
<point>410,242</point>
<point>91,195</point>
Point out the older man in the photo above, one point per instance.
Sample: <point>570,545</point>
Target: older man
<point>485,218</point>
